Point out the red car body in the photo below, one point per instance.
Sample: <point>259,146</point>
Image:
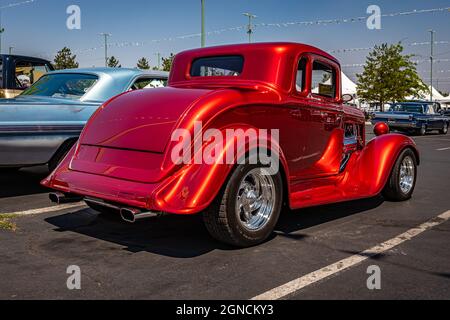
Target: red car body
<point>123,155</point>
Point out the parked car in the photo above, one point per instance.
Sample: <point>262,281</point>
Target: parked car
<point>126,160</point>
<point>40,125</point>
<point>414,117</point>
<point>17,73</point>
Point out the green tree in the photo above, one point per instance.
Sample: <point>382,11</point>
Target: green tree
<point>143,64</point>
<point>114,63</point>
<point>389,76</point>
<point>167,62</point>
<point>65,60</point>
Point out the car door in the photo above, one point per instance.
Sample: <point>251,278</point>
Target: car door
<point>319,107</point>
<point>434,119</point>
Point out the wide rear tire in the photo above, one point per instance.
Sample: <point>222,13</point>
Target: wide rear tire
<point>247,209</point>
<point>402,182</point>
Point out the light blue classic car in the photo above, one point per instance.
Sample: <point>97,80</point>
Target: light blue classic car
<point>41,125</point>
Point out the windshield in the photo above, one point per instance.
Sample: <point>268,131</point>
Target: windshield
<point>414,108</point>
<point>62,85</point>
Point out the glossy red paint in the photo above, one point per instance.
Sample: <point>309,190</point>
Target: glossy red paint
<point>124,153</point>
<point>381,128</point>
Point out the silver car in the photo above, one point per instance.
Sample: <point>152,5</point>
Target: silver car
<point>41,125</point>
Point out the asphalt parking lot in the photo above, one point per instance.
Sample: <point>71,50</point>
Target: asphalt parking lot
<point>173,257</point>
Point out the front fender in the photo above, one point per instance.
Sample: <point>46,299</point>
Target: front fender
<point>369,171</point>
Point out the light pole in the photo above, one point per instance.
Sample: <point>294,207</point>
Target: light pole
<point>250,26</point>
<point>106,35</point>
<point>2,30</point>
<point>158,55</point>
<point>432,32</point>
<point>203,25</point>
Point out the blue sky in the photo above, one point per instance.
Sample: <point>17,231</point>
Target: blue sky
<point>40,29</point>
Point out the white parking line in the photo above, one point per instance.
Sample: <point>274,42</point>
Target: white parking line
<point>343,265</point>
<point>437,139</point>
<point>443,149</point>
<point>47,210</point>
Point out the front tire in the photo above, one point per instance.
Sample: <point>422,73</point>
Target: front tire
<point>402,181</point>
<point>423,130</point>
<point>444,130</point>
<point>248,208</point>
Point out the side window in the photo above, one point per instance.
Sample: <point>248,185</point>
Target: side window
<point>147,83</point>
<point>323,80</point>
<point>27,73</point>
<point>301,75</point>
<point>431,109</point>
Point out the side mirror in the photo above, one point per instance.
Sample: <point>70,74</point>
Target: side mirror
<point>346,98</point>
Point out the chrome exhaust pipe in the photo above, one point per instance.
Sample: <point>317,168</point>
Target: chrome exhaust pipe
<point>133,215</point>
<point>60,198</point>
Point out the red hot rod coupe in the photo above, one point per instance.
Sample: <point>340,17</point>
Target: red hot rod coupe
<point>124,158</point>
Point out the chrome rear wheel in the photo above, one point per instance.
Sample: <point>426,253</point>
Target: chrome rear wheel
<point>256,199</point>
<point>247,210</point>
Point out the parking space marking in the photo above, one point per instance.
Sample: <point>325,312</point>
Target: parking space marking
<point>438,139</point>
<point>343,265</point>
<point>46,210</point>
<point>443,149</point>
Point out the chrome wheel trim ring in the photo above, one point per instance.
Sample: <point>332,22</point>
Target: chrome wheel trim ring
<point>256,199</point>
<point>407,175</point>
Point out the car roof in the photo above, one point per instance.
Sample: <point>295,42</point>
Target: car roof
<point>418,102</point>
<point>267,62</point>
<point>114,72</point>
<point>24,57</point>
<point>249,47</point>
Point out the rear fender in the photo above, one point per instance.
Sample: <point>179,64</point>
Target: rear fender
<point>195,186</point>
<point>62,167</point>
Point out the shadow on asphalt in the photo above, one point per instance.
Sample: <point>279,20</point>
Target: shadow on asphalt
<point>23,182</point>
<point>186,236</point>
<point>385,259</point>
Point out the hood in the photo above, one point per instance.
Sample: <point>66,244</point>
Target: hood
<point>29,110</point>
<point>142,120</point>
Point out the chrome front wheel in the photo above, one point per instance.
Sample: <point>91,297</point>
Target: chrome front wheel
<point>402,181</point>
<point>407,175</point>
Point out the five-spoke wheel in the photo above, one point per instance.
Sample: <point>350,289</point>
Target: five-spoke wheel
<point>402,181</point>
<point>248,208</point>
